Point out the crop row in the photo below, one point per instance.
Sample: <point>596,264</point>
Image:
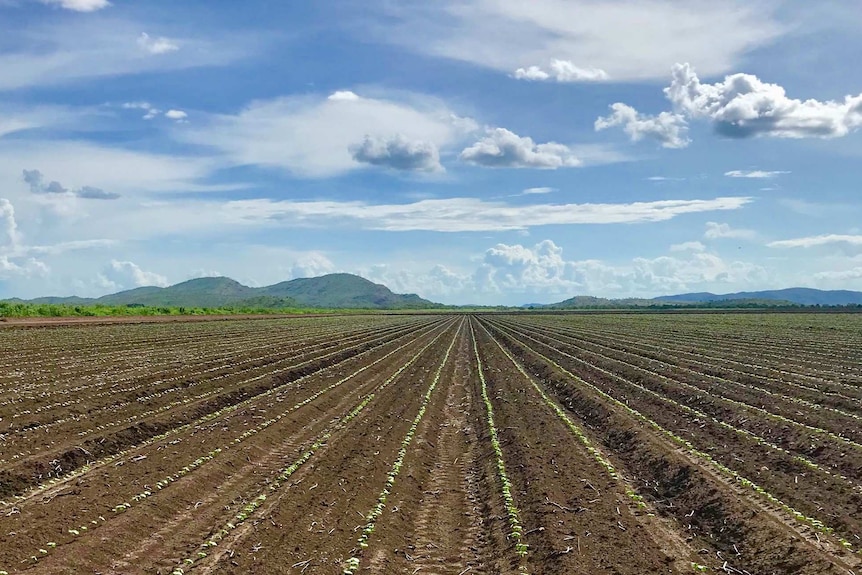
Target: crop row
<point>220,533</point>
<point>691,449</point>
<point>352,564</point>
<point>516,529</point>
<point>274,389</point>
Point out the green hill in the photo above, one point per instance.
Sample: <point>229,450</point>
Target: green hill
<point>330,291</point>
<point>200,292</point>
<point>343,291</point>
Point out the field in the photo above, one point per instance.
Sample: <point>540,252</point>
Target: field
<point>434,444</point>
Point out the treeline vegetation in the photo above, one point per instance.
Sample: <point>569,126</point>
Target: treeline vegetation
<point>17,309</point>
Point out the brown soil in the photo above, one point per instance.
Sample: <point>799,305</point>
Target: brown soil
<point>126,448</point>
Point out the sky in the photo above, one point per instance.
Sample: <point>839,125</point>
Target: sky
<point>470,151</point>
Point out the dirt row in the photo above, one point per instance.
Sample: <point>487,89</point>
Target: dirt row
<point>832,348</point>
<point>816,492</point>
<point>731,522</point>
<point>155,532</point>
<point>83,440</point>
<point>453,445</point>
<point>829,436</point>
<point>820,381</point>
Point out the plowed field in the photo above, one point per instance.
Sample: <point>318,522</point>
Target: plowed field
<point>434,444</point>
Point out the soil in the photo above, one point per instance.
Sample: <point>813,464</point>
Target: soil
<point>262,445</point>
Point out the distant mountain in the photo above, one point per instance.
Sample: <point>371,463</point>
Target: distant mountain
<point>586,301</point>
<point>343,290</point>
<point>329,291</point>
<point>215,292</point>
<point>790,296</point>
<point>801,296</point>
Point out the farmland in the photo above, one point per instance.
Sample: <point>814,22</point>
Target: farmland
<point>480,444</point>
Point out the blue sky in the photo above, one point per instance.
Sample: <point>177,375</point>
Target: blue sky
<point>470,151</point>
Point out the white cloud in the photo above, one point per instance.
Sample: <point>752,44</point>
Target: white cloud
<point>28,268</point>
<point>70,246</point>
<point>343,96</point>
<point>312,136</point>
<point>13,254</point>
<point>533,73</point>
<point>504,149</point>
<point>544,271</point>
<point>8,226</point>
<point>743,106</point>
<point>397,153</point>
<point>753,174</point>
<point>822,240</point>
<point>178,115</point>
<point>441,215</point>
<point>311,265</point>
<point>840,275</point>
<point>137,221</point>
<point>715,230</point>
<point>149,110</point>
<point>628,40</point>
<point>667,128</point>
<point>125,274</point>
<point>664,179</point>
<point>537,191</point>
<point>79,5</point>
<point>561,71</point>
<point>688,247</point>
<point>156,46</point>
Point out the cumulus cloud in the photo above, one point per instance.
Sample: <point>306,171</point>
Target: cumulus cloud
<point>814,241</point>
<point>502,148</point>
<point>320,136</point>
<point>156,46</point>
<point>14,260</point>
<point>561,71</point>
<point>741,106</point>
<point>343,96</point>
<point>398,153</point>
<point>177,115</point>
<point>79,5</point>
<point>311,265</point>
<point>758,174</point>
<point>543,269</point>
<point>36,181</point>
<point>8,226</point>
<point>128,274</point>
<point>744,106</point>
<point>27,268</point>
<point>715,230</point>
<point>667,128</point>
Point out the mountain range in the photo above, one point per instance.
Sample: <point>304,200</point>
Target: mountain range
<point>801,296</point>
<point>329,291</point>
<point>766,298</point>
<point>341,290</point>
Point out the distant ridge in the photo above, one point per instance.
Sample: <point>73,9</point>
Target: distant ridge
<point>801,296</point>
<point>766,298</point>
<point>328,291</point>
